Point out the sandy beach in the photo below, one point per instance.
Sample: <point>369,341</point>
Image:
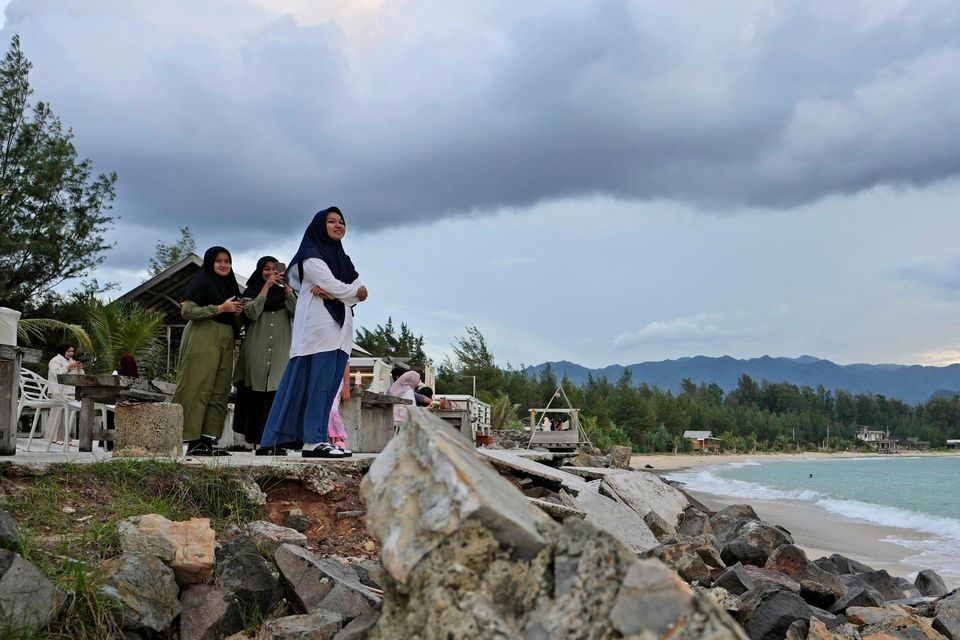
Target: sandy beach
<point>818,532</point>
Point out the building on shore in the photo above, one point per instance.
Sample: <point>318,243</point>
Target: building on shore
<point>702,440</point>
<point>878,440</point>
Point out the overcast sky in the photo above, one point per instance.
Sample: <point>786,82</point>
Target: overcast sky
<point>602,182</point>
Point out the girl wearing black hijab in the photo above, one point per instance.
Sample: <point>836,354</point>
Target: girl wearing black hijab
<point>211,305</point>
<point>322,338</point>
<point>265,349</point>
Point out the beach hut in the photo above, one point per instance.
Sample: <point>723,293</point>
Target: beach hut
<point>702,440</point>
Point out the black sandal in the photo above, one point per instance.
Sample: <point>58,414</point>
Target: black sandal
<point>323,450</point>
<point>204,448</point>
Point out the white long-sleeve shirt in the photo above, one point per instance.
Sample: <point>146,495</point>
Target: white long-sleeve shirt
<point>314,329</point>
<point>58,364</point>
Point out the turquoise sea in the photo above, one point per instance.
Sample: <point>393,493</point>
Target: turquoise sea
<point>918,495</point>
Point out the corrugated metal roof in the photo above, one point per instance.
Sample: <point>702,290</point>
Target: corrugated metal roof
<point>162,292</point>
<point>697,435</point>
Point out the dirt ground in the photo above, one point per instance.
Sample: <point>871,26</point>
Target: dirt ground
<point>80,509</point>
<point>329,534</point>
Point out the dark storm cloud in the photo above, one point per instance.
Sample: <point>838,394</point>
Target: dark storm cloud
<point>221,113</point>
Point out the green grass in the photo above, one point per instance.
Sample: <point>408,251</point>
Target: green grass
<point>68,522</point>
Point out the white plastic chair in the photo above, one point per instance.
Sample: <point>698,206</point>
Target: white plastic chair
<point>35,393</point>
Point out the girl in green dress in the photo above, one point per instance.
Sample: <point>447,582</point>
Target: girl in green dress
<point>211,305</point>
<point>265,350</point>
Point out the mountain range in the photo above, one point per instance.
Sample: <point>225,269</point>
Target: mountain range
<point>914,384</point>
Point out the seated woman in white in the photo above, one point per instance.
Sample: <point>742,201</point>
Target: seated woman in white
<point>63,362</point>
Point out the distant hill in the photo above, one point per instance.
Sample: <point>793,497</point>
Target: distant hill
<point>914,384</point>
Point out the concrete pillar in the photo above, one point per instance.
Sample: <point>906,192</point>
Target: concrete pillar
<point>148,429</point>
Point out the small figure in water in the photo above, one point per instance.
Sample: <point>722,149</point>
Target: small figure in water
<point>811,475</point>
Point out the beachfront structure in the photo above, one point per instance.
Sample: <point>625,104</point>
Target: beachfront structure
<point>702,440</point>
<point>915,442</point>
<point>878,440</point>
<point>469,415</point>
<point>953,444</point>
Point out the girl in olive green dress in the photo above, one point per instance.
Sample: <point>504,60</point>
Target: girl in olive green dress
<point>265,350</point>
<point>211,305</point>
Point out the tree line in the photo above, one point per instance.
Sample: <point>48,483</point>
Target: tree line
<point>755,416</point>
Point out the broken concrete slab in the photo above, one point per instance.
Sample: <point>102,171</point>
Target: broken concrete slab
<point>512,461</point>
<point>428,482</point>
<point>593,473</point>
<point>607,514</point>
<point>644,492</point>
<point>316,584</point>
<point>558,512</point>
<point>615,518</point>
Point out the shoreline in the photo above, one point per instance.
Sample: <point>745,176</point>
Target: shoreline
<point>662,463</point>
<point>818,532</point>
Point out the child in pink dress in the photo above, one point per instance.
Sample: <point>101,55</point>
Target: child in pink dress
<point>337,432</point>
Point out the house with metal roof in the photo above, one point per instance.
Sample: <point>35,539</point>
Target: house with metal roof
<point>702,440</point>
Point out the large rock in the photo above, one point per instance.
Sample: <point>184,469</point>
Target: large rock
<point>818,587</point>
<point>753,543</point>
<point>761,576</point>
<point>847,566</point>
<point>148,429</point>
<point>320,625</point>
<point>930,583</point>
<point>947,621</point>
<point>645,492</point>
<point>9,533</point>
<point>685,560</point>
<point>857,597</point>
<point>662,529</point>
<point>693,522</point>
<point>187,546</point>
<point>726,523</point>
<point>145,588</point>
<point>268,536</point>
<point>427,482</point>
<point>889,587</point>
<point>735,580</point>
<point>768,611</point>
<point>888,615</point>
<point>652,600</point>
<point>890,621</point>
<point>28,600</point>
<point>242,571</point>
<point>209,613</point>
<point>323,583</point>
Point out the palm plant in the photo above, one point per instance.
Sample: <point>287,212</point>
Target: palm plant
<point>118,328</point>
<point>36,330</point>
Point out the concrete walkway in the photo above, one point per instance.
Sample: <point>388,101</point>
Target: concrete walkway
<point>39,456</point>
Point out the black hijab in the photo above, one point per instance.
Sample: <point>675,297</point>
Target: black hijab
<point>317,244</point>
<point>207,287</point>
<point>276,296</point>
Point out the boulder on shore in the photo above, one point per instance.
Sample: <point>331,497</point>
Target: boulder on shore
<point>145,589</point>
<point>186,546</point>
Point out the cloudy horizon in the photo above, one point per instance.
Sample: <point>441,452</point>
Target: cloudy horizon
<point>602,182</point>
